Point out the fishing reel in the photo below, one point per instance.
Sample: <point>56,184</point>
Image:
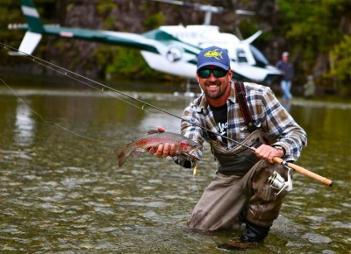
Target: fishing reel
<point>277,182</point>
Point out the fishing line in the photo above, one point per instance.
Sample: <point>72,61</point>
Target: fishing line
<point>63,72</point>
<point>50,122</point>
<point>76,76</point>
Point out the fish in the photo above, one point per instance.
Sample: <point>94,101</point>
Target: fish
<point>186,146</point>
<point>214,53</point>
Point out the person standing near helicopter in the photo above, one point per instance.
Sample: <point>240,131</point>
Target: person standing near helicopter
<point>288,73</point>
<point>250,114</point>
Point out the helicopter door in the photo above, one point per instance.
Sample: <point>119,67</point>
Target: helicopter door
<point>241,56</point>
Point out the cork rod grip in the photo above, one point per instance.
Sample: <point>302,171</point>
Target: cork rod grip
<point>305,172</point>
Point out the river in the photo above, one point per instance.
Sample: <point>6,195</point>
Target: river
<point>62,192</point>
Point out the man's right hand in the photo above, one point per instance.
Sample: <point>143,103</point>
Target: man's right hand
<point>268,152</point>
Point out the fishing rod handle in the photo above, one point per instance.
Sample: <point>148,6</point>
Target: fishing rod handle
<point>304,171</point>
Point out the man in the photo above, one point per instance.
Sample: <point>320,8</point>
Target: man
<point>288,73</point>
<point>240,192</point>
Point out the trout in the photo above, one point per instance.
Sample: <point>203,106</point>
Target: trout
<point>185,146</point>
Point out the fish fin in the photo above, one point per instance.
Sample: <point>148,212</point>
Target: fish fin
<point>193,154</point>
<point>123,153</point>
<point>158,130</point>
<point>195,169</point>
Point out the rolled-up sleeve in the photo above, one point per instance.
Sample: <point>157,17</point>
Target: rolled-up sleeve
<point>190,128</point>
<point>280,124</point>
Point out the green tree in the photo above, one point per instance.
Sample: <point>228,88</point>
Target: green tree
<point>341,64</point>
<point>313,30</point>
<point>341,60</point>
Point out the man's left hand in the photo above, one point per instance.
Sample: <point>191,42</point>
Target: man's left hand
<point>268,152</point>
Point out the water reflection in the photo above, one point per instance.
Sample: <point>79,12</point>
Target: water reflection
<point>160,120</point>
<point>24,125</point>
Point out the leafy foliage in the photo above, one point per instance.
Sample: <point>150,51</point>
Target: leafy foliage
<point>316,32</point>
<point>154,21</point>
<point>341,60</point>
<point>315,28</point>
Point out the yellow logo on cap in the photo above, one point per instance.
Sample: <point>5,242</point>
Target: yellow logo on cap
<point>214,54</point>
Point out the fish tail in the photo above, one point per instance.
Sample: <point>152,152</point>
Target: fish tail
<point>123,153</point>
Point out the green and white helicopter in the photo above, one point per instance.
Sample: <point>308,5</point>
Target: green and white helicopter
<point>169,49</point>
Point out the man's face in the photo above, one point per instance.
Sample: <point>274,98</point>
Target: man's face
<point>214,81</point>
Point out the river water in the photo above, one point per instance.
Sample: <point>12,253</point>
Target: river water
<point>62,192</point>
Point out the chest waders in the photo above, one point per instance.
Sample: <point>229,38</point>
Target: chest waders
<point>239,159</point>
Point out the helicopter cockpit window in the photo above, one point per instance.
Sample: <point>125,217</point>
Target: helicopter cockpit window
<point>259,57</point>
<point>240,53</point>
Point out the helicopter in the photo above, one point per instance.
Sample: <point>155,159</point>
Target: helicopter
<point>169,49</point>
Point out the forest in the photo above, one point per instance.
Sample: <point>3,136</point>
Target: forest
<point>317,33</point>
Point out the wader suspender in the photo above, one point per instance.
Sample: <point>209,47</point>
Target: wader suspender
<point>241,97</point>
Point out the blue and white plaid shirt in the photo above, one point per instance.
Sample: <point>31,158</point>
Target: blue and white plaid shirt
<point>266,111</point>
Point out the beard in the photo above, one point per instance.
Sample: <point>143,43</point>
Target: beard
<point>214,94</point>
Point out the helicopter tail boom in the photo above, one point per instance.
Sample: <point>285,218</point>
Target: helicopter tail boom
<point>32,16</point>
<point>35,27</point>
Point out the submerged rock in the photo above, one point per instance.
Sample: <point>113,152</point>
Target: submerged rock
<point>316,238</point>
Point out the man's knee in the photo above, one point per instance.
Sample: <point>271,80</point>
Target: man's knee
<point>265,202</point>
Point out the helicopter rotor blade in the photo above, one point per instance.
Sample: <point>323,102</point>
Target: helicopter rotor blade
<point>171,2</point>
<point>208,9</point>
<point>196,6</point>
<point>244,12</point>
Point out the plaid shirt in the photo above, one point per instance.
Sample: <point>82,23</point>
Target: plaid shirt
<point>266,112</point>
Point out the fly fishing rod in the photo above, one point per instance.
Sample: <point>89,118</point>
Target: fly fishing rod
<point>84,80</point>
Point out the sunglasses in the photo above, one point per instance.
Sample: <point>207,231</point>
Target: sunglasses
<point>217,72</point>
